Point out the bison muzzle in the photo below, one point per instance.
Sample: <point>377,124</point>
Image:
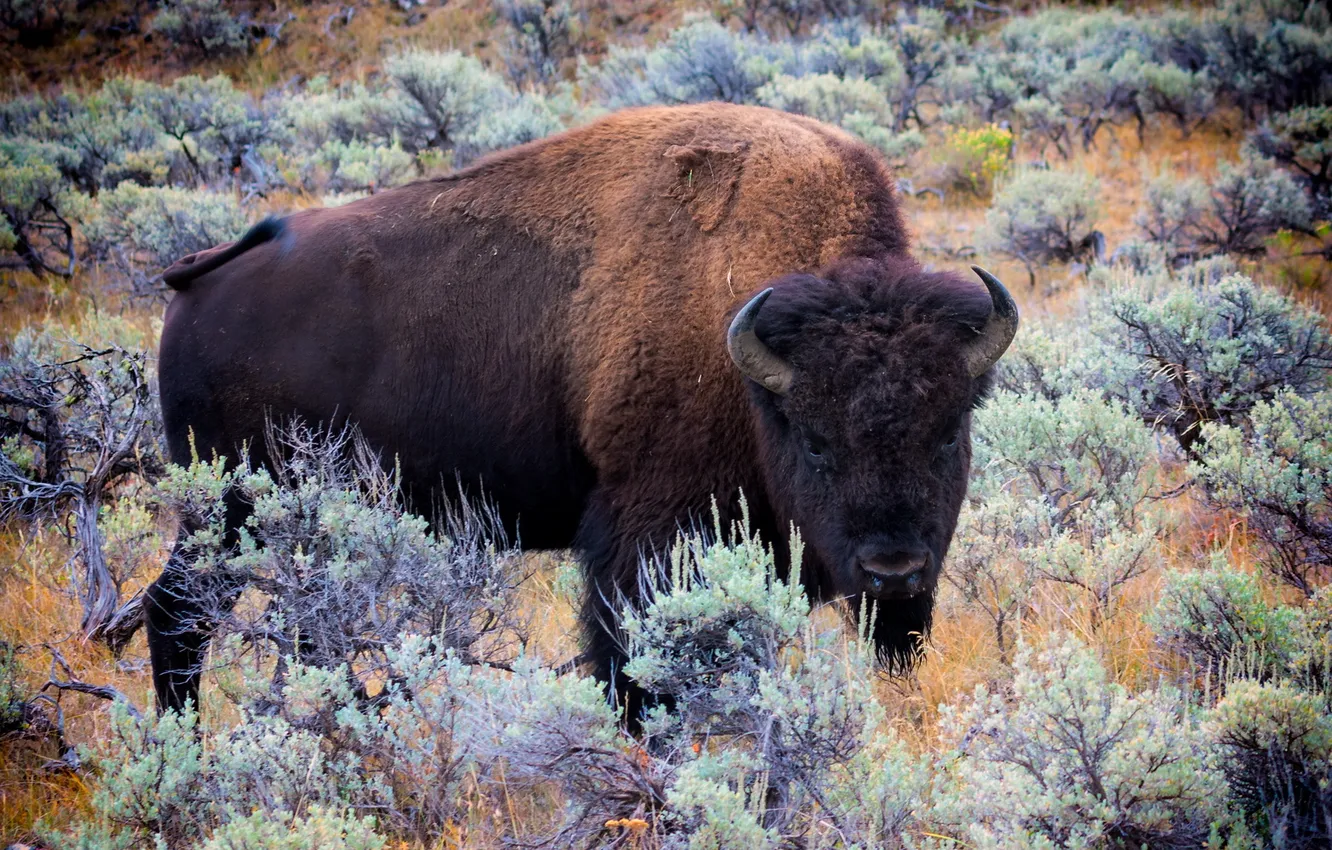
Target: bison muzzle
<point>605,330</point>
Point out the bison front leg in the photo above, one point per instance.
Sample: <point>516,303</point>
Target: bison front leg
<point>611,550</point>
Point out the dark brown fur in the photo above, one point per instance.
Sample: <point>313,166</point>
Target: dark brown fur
<point>551,323</point>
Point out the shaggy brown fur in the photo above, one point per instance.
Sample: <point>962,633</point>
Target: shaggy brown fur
<point>551,322</point>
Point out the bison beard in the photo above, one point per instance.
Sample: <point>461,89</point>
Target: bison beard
<point>583,327</point>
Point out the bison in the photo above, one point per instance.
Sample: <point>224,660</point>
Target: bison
<point>606,330</point>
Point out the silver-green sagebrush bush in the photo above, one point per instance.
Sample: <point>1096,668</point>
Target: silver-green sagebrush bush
<point>103,136</point>
<point>1233,213</point>
<point>543,35</point>
<point>165,781</point>
<point>699,61</point>
<point>141,230</point>
<point>356,166</point>
<point>1301,140</point>
<point>217,128</point>
<point>82,403</point>
<point>856,104</point>
<point>1067,758</point>
<point>345,567</point>
<point>1065,75</point>
<point>1274,742</point>
<point>1053,359</point>
<point>998,538</point>
<point>1218,618</point>
<point>805,753</point>
<point>204,25</point>
<point>1206,346</point>
<point>35,202</point>
<point>1045,216</point>
<point>1277,472</point>
<point>796,749</point>
<point>1060,495</point>
<point>450,102</point>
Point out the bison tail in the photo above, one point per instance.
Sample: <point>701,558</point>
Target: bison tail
<point>186,269</point>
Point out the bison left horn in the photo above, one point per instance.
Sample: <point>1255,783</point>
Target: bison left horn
<point>993,339</point>
<point>756,361</point>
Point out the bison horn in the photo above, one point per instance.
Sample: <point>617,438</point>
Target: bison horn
<point>756,361</point>
<point>993,340</point>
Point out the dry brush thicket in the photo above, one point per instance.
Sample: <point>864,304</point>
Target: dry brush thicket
<point>1135,634</point>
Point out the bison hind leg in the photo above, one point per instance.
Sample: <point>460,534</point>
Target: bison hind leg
<point>180,609</point>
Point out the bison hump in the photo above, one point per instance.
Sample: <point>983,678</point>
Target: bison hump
<point>707,178</point>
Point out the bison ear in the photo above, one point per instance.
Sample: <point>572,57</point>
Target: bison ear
<point>706,178</point>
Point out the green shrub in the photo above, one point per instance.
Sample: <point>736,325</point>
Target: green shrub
<point>523,119</point>
<point>1275,745</point>
<point>1040,217</point>
<point>926,50</point>
<point>141,230</point>
<point>982,91</point>
<point>85,423</point>
<point>319,830</point>
<point>1067,74</point>
<point>1209,346</point>
<point>826,97</point>
<point>450,103</point>
<point>849,49</point>
<point>1218,618</point>
<point>1054,358</point>
<point>1277,472</point>
<point>1233,214</point>
<point>543,35</point>
<point>214,126</point>
<point>1075,453</point>
<point>809,754</point>
<point>1074,474</point>
<point>1070,759</point>
<point>356,166</point>
<point>205,25</point>
<point>102,137</point>
<point>1301,140</point>
<point>344,567</point>
<point>1267,59</point>
<point>997,539</point>
<point>439,98</point>
<point>34,205</point>
<point>1186,96</point>
<point>1311,663</point>
<point>807,750</point>
<point>322,112</point>
<point>699,61</point>
<point>854,103</point>
<point>165,781</point>
<point>973,158</point>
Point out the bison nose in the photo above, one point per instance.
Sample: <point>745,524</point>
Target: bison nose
<point>898,571</point>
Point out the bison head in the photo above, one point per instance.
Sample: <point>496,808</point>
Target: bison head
<point>863,381</point>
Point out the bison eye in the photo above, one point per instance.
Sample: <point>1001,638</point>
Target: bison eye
<point>814,449</point>
<point>951,442</point>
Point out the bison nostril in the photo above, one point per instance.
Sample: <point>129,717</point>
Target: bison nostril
<point>896,565</point>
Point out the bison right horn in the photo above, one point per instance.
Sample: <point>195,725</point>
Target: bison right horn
<point>755,360</point>
<point>994,339</point>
